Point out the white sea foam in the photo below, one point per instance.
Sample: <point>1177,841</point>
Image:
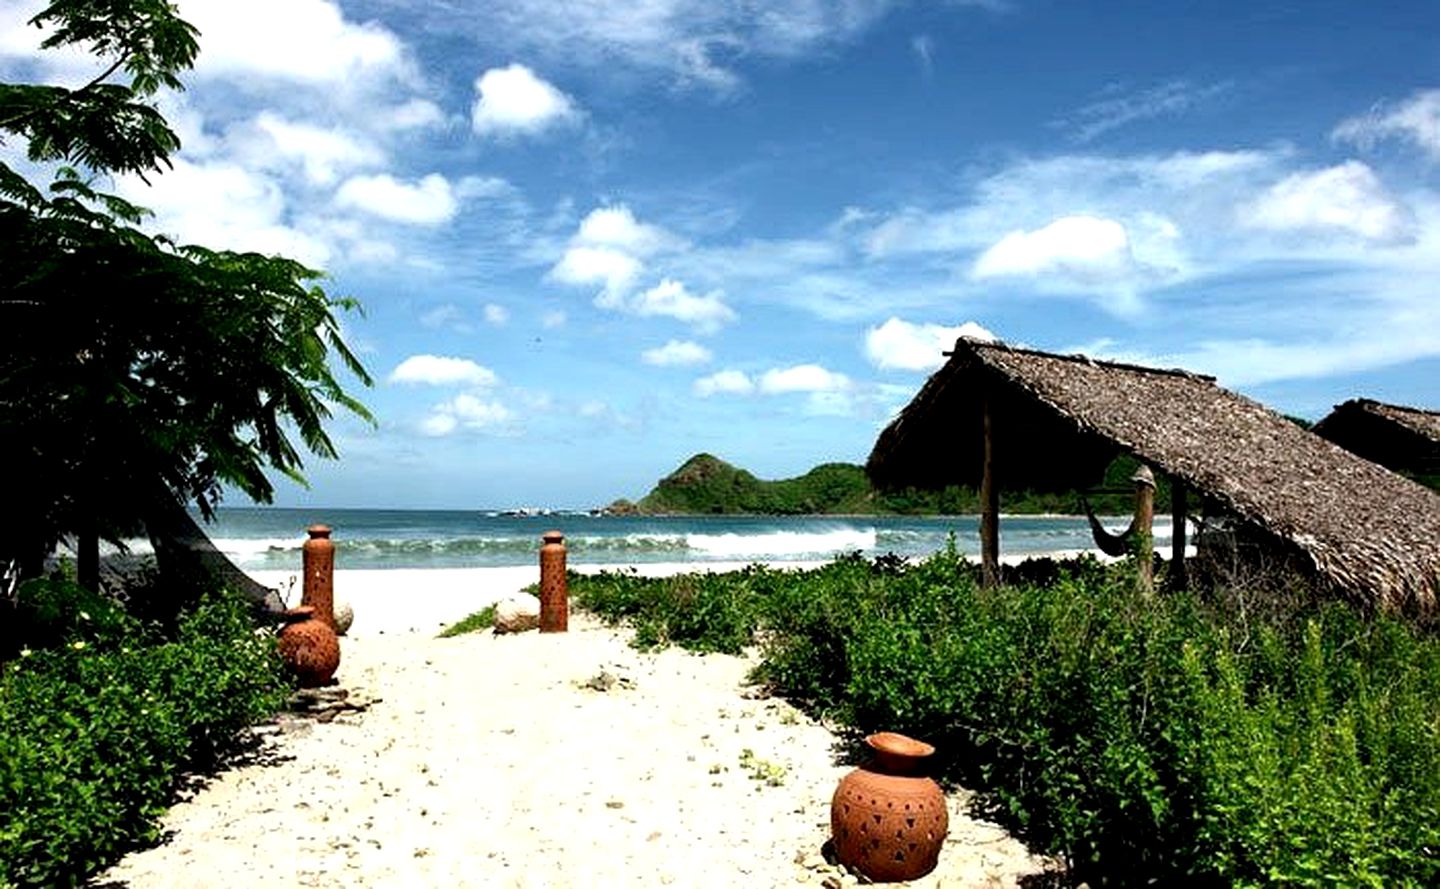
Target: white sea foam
<point>254,549</point>
<point>782,543</point>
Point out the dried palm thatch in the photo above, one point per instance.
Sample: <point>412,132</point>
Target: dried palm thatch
<point>1057,421</point>
<point>1404,439</point>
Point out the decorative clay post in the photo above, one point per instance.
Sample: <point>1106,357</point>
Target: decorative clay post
<point>1144,523</point>
<point>319,564</point>
<point>554,599</point>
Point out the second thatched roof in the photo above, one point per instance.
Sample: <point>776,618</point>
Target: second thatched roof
<point>1405,439</point>
<point>1058,421</point>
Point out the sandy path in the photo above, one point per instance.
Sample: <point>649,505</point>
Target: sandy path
<point>489,762</point>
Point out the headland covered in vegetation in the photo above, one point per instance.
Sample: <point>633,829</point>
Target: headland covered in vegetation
<point>706,485</point>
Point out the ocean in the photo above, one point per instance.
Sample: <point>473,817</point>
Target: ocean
<point>266,538</point>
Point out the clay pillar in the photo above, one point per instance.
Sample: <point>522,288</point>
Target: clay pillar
<point>554,599</point>
<point>1144,523</point>
<point>1178,508</point>
<point>989,508</point>
<point>319,563</point>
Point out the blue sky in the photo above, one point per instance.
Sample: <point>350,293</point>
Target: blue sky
<point>592,239</point>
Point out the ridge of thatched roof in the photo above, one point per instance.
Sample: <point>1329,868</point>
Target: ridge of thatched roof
<point>1058,421</point>
<point>1427,423</point>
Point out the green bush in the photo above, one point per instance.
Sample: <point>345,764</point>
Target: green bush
<point>1167,738</point>
<point>95,731</point>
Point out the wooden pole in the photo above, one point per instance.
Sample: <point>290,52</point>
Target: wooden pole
<point>1144,481</point>
<point>989,507</point>
<point>1178,509</point>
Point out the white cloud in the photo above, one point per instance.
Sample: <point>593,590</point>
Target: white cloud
<point>223,206</point>
<point>495,314</point>
<point>725,382</point>
<point>614,269</point>
<point>616,227</point>
<point>469,412</point>
<point>446,315</point>
<point>299,40</point>
<point>1347,198</point>
<point>553,319</point>
<point>802,378</point>
<point>415,114</point>
<point>513,101</point>
<point>1115,108</point>
<point>923,45</point>
<point>321,153</point>
<point>901,345</point>
<point>430,201</point>
<point>706,313</point>
<point>1084,250</point>
<point>693,41</point>
<point>676,353</point>
<point>1416,120</point>
<point>606,249</point>
<point>483,187</point>
<point>439,424</point>
<point>439,370</point>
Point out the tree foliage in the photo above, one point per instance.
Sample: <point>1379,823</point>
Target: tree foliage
<point>133,367</point>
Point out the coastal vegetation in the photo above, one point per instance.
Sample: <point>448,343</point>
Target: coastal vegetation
<point>138,376</point>
<point>101,716</point>
<point>705,484</point>
<point>1224,738</point>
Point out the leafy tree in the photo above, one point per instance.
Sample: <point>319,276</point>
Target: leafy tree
<point>138,374</point>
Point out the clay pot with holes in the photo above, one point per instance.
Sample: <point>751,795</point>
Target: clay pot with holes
<point>309,647</point>
<point>887,820</point>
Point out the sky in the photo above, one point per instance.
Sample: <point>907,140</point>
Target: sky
<point>592,239</point>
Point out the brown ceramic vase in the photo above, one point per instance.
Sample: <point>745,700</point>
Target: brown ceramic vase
<point>309,647</point>
<point>887,820</point>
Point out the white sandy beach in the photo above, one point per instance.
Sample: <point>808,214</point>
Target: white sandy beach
<point>490,761</point>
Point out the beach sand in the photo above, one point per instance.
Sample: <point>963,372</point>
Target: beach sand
<point>498,761</point>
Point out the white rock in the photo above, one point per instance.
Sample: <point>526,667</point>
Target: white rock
<point>344,616</point>
<point>517,613</point>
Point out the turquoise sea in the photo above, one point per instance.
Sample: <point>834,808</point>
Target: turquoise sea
<point>270,537</point>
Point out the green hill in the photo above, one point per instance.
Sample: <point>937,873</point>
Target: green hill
<point>705,484</point>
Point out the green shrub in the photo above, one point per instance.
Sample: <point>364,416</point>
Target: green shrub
<point>471,623</point>
<point>94,732</point>
<point>1141,738</point>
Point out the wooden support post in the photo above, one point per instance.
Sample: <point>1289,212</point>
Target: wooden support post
<point>1178,509</point>
<point>1144,526</point>
<point>989,507</point>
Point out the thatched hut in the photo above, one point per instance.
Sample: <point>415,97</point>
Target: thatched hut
<point>1405,439</point>
<point>998,416</point>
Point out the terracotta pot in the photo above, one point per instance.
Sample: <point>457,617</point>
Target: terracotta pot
<point>309,647</point>
<point>887,821</point>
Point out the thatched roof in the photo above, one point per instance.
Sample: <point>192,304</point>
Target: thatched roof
<point>1405,439</point>
<point>1059,420</point>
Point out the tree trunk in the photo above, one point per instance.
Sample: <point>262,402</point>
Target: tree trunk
<point>189,561</point>
<point>989,507</point>
<point>87,556</point>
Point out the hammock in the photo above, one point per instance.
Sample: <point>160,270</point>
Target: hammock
<point>1116,545</point>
